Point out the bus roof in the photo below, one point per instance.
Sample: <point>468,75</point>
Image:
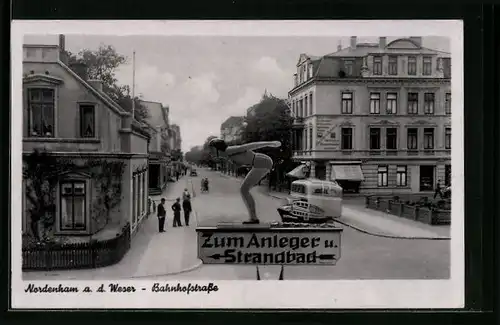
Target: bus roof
<point>317,182</point>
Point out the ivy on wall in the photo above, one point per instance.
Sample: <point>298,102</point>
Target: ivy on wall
<point>42,172</point>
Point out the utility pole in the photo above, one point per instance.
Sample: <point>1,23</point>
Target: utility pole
<point>133,86</point>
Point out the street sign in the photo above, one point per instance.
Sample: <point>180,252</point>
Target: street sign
<point>268,245</point>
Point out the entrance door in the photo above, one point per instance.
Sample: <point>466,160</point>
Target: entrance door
<point>154,176</point>
<point>427,178</point>
<point>447,175</point>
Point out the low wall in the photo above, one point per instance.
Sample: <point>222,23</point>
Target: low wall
<point>412,212</point>
<point>77,255</point>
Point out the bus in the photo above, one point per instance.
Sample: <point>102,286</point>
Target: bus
<point>312,200</point>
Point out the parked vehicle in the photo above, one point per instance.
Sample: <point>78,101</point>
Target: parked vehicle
<point>193,172</point>
<point>312,200</point>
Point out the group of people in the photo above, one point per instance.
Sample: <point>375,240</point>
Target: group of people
<point>204,184</point>
<point>176,208</point>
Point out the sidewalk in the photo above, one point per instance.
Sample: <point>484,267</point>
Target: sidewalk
<point>380,223</point>
<point>173,251</point>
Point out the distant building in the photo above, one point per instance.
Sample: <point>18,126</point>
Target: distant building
<point>176,139</point>
<point>159,155</point>
<point>230,129</point>
<point>70,116</point>
<point>375,116</point>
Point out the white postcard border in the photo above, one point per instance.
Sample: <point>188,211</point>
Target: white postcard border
<point>252,294</point>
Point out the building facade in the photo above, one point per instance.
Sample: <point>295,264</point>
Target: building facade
<point>231,129</point>
<point>176,139</point>
<point>376,117</point>
<point>71,117</point>
<point>159,158</point>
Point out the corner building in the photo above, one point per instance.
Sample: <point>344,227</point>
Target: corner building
<point>376,117</point>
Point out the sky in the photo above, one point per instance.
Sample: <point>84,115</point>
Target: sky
<point>206,79</point>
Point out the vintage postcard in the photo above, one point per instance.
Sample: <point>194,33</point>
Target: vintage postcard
<point>237,164</point>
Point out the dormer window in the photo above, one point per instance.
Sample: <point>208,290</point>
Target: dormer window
<point>41,112</point>
<point>377,65</point>
<point>393,65</point>
<point>427,66</point>
<point>310,71</point>
<point>348,67</point>
<point>87,121</point>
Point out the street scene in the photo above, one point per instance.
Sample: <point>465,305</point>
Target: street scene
<point>133,152</point>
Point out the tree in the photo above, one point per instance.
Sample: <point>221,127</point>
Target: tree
<point>272,122</point>
<point>101,65</point>
<point>177,155</point>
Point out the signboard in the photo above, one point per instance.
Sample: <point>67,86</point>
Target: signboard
<point>261,245</point>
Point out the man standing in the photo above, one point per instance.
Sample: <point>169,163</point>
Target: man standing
<point>186,206</point>
<point>176,207</point>
<point>162,213</point>
<point>438,190</point>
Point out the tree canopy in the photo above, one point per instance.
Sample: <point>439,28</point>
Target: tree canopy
<point>101,65</point>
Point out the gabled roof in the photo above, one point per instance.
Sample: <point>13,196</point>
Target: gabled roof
<point>304,57</point>
<point>105,98</point>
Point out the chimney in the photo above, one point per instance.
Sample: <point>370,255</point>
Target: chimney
<point>382,42</point>
<point>97,84</point>
<point>63,56</point>
<point>353,42</point>
<point>80,69</point>
<point>339,47</point>
<point>417,40</point>
<point>62,42</point>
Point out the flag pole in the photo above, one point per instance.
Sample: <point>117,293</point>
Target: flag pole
<point>133,86</point>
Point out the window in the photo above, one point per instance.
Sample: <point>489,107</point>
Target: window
<point>428,138</point>
<point>427,66</point>
<point>310,139</point>
<point>412,103</point>
<point>447,138</point>
<point>392,103</point>
<point>401,176</point>
<point>310,71</point>
<point>346,139</point>
<point>311,104</point>
<point>87,121</point>
<point>73,206</point>
<point>377,65</point>
<point>393,65</point>
<point>306,111</point>
<point>348,67</point>
<point>412,65</point>
<point>412,139</point>
<point>447,103</point>
<point>302,110</point>
<point>346,103</point>
<point>392,138</point>
<point>41,112</point>
<point>374,138</point>
<point>134,203</point>
<point>447,175</point>
<point>429,103</point>
<point>382,176</point>
<point>375,103</point>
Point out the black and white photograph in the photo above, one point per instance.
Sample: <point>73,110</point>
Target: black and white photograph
<point>237,164</point>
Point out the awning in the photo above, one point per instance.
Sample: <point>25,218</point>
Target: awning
<point>297,172</point>
<point>347,173</point>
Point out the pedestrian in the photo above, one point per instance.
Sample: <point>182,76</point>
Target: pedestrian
<point>176,207</point>
<point>186,195</point>
<point>177,175</point>
<point>162,213</point>
<point>438,190</point>
<point>186,206</point>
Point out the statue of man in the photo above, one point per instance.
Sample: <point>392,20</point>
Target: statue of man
<point>260,164</point>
